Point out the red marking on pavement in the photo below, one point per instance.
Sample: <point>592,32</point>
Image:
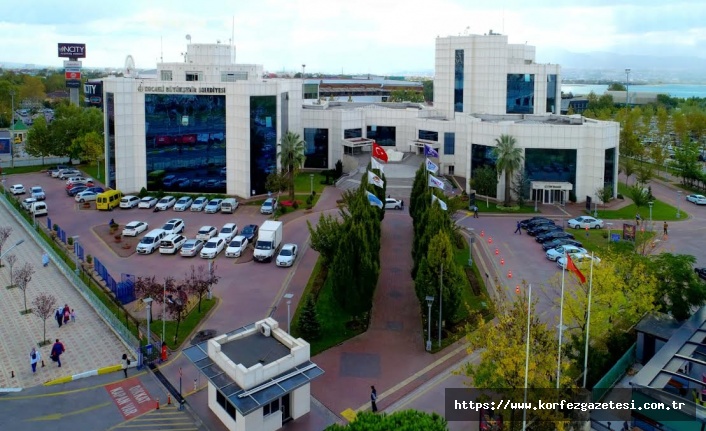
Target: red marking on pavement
<point>131,398</point>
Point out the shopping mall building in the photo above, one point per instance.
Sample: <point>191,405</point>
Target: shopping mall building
<point>210,124</point>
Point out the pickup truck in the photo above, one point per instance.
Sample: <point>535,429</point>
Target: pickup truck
<point>268,241</point>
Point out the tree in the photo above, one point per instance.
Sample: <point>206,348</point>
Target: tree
<point>22,278</point>
<point>11,259</point>
<point>148,287</point>
<point>176,307</point>
<point>658,156</point>
<point>629,167</point>
<point>639,195</point>
<point>616,86</point>
<point>680,291</point>
<point>428,90</point>
<point>406,420</point>
<point>309,326</point>
<point>5,232</point>
<point>406,96</point>
<point>485,181</point>
<point>509,159</point>
<point>292,157</point>
<point>39,142</point>
<point>201,280</point>
<point>44,305</point>
<point>521,186</point>
<point>32,88</point>
<point>325,238</point>
<point>89,146</point>
<point>605,194</point>
<point>644,173</point>
<point>276,182</point>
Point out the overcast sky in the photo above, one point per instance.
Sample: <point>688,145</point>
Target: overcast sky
<point>333,36</point>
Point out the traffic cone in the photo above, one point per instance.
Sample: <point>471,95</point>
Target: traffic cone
<point>497,251</point>
<point>502,261</point>
<point>169,400</point>
<point>509,274</point>
<point>157,404</point>
<point>482,233</point>
<point>490,240</point>
<point>517,289</point>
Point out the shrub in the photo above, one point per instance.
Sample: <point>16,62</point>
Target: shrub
<point>70,241</point>
<point>310,200</point>
<point>143,193</point>
<point>572,197</point>
<point>55,227</point>
<point>89,258</point>
<point>620,196</point>
<point>295,204</point>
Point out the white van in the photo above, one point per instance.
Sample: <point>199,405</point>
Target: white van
<point>229,205</point>
<point>38,208</point>
<point>151,242</point>
<point>171,243</point>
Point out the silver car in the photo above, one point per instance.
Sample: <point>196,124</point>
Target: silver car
<point>199,204</point>
<point>191,247</point>
<point>213,206</point>
<point>183,203</point>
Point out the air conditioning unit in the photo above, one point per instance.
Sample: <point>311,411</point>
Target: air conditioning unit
<point>265,330</point>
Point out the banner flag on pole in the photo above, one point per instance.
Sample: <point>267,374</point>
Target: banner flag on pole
<point>374,200</point>
<point>379,153</point>
<point>431,167</point>
<point>430,152</point>
<point>435,182</point>
<point>571,267</point>
<point>442,204</point>
<point>374,179</point>
<point>377,165</point>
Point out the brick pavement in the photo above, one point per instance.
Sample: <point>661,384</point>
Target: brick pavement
<point>89,343</point>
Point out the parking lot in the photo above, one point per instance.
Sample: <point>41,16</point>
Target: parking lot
<point>258,285</point>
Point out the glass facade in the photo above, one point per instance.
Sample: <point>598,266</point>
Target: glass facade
<point>284,112</point>
<point>185,142</point>
<point>482,156</point>
<point>428,135</point>
<point>551,94</point>
<point>551,165</point>
<point>609,169</point>
<point>520,93</point>
<point>383,135</point>
<point>263,141</point>
<point>110,160</point>
<point>316,148</point>
<point>311,91</point>
<point>449,143</point>
<point>458,81</point>
<point>352,133</point>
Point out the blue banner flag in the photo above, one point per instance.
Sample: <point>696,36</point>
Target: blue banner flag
<point>430,152</point>
<point>374,200</point>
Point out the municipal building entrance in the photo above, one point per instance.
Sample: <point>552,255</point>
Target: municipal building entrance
<point>544,192</point>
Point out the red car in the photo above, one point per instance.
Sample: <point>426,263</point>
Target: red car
<point>81,183</point>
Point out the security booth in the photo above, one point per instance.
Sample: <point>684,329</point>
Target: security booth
<point>550,192</point>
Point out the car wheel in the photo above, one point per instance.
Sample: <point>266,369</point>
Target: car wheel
<point>81,201</point>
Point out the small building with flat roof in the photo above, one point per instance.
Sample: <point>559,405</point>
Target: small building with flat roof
<point>258,376</point>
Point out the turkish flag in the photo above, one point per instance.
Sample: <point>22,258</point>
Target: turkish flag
<point>379,153</point>
<point>571,267</point>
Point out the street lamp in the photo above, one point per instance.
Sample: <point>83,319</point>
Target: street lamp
<point>288,297</point>
<point>77,271</point>
<point>627,87</point>
<point>441,298</point>
<point>678,203</point>
<point>12,127</point>
<point>9,249</point>
<point>610,226</point>
<point>471,240</point>
<point>430,300</point>
<point>650,203</point>
<point>311,184</point>
<point>148,301</point>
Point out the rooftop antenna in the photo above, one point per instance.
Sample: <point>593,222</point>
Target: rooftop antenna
<point>161,49</point>
<point>232,40</point>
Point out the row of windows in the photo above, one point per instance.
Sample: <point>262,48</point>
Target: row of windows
<point>167,75</point>
<point>225,404</point>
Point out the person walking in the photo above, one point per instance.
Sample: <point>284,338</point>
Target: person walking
<point>73,316</point>
<point>519,229</point>
<point>637,219</point>
<point>373,399</point>
<point>59,316</point>
<point>34,357</point>
<point>45,259</point>
<point>126,364</point>
<point>475,211</point>
<point>66,313</point>
<point>56,351</point>
<point>666,229</point>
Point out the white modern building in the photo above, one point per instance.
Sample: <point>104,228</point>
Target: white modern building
<point>214,125</point>
<point>258,376</point>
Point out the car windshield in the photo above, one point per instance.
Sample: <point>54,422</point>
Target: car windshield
<point>285,253</point>
<point>168,226</point>
<point>210,245</point>
<point>267,204</point>
<point>263,245</point>
<point>36,189</point>
<point>146,199</point>
<point>227,230</point>
<point>199,201</point>
<point>235,243</point>
<point>164,200</point>
<point>147,240</point>
<point>248,229</point>
<point>183,200</point>
<point>132,225</point>
<point>189,244</point>
<point>205,231</point>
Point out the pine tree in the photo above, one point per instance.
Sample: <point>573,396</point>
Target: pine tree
<point>309,326</point>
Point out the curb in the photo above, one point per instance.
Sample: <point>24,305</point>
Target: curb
<point>104,370</point>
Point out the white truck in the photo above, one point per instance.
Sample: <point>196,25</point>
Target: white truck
<point>269,239</point>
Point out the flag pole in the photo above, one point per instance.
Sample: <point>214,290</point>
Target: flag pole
<point>588,323</point>
<point>441,294</point>
<point>561,322</point>
<point>527,351</point>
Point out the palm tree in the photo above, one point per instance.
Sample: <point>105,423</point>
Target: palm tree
<point>509,159</point>
<point>291,157</point>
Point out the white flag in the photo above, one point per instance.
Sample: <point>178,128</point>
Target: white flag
<point>442,204</point>
<point>374,179</point>
<point>376,165</point>
<point>431,167</point>
<point>435,182</point>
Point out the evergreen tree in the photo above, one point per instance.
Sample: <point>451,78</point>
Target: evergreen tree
<point>309,326</point>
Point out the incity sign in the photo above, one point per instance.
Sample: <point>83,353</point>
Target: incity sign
<point>72,50</point>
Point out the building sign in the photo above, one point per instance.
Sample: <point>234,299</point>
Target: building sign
<point>629,231</point>
<point>72,50</point>
<point>179,89</point>
<point>93,94</point>
<point>72,75</point>
<point>72,64</point>
<point>552,186</point>
<point>73,83</point>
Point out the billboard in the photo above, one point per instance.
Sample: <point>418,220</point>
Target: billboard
<point>73,83</point>
<point>72,50</point>
<point>93,94</point>
<point>72,75</point>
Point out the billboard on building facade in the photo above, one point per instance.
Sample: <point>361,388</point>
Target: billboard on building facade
<point>93,94</point>
<point>72,50</point>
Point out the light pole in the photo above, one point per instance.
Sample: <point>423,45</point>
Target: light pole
<point>430,300</point>
<point>9,249</point>
<point>12,127</point>
<point>678,203</point>
<point>441,298</point>
<point>610,226</point>
<point>148,301</point>
<point>303,71</point>
<point>77,270</point>
<point>650,203</point>
<point>311,184</point>
<point>627,88</point>
<point>288,297</point>
<point>471,240</point>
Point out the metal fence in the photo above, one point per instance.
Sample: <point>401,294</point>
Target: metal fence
<point>604,385</point>
<point>31,161</point>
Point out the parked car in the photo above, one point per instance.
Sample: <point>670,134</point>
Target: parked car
<point>171,243</point>
<point>562,251</point>
<point>548,236</point>
<point>559,242</point>
<point>191,247</point>
<point>27,203</point>
<point>287,255</point>
<point>165,203</point>
<point>38,193</point>
<point>98,190</point>
<point>585,221</point>
<point>701,272</point>
<point>525,222</point>
<point>213,206</point>
<point>135,228</point>
<point>228,231</point>
<point>78,179</point>
<point>86,196</point>
<point>78,184</point>
<point>68,173</point>
<point>183,203</point>
<point>269,206</point>
<point>199,204</point>
<point>150,242</point>
<point>393,204</point>
<point>18,189</point>
<point>536,223</point>
<point>212,247</point>
<point>175,225</point>
<point>579,259</point>
<point>250,232</point>
<point>206,232</point>
<point>537,230</point>
<point>237,246</point>
<point>696,199</point>
<point>147,202</point>
<point>73,191</point>
<point>129,201</point>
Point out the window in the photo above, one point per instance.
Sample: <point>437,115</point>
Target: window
<point>193,76</point>
<point>428,135</point>
<point>270,408</point>
<point>166,75</point>
<point>458,81</point>
<point>450,143</point>
<point>232,76</point>
<point>451,169</point>
<point>551,94</point>
<point>225,404</point>
<point>352,133</point>
<point>520,93</point>
<point>316,148</point>
<point>311,91</point>
<point>383,135</point>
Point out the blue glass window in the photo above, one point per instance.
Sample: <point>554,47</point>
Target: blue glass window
<point>383,135</point>
<point>352,133</point>
<point>263,141</point>
<point>551,93</point>
<point>316,148</point>
<point>520,93</point>
<point>449,143</point>
<point>609,169</point>
<point>428,135</point>
<point>458,81</point>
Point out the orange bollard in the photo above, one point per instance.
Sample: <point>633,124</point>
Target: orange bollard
<point>509,274</point>
<point>502,261</point>
<point>517,289</point>
<point>497,251</point>
<point>169,400</point>
<point>490,240</point>
<point>482,233</point>
<point>157,404</point>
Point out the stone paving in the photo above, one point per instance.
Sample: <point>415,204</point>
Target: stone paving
<point>89,342</point>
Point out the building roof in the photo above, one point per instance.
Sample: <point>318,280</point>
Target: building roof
<point>254,349</point>
<point>358,105</point>
<point>19,126</point>
<point>378,82</point>
<point>660,325</point>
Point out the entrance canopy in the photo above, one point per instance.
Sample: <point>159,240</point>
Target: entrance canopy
<point>357,145</point>
<point>549,192</point>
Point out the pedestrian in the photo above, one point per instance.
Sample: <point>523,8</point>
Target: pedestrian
<point>34,357</point>
<point>126,364</point>
<point>45,259</point>
<point>637,219</point>
<point>66,313</point>
<point>59,316</point>
<point>56,351</point>
<point>401,204</point>
<point>519,229</point>
<point>373,399</point>
<point>666,229</point>
<point>165,353</point>
<point>73,316</point>
<point>475,211</point>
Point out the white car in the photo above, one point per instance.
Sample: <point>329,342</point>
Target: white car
<point>18,189</point>
<point>287,255</point>
<point>578,259</point>
<point>393,204</point>
<point>191,247</point>
<point>38,193</point>
<point>27,203</point>
<point>562,250</point>
<point>206,232</point>
<point>85,196</point>
<point>147,202</point>
<point>129,201</point>
<point>199,204</point>
<point>135,228</point>
<point>213,206</point>
<point>78,180</point>
<point>165,203</point>
<point>183,203</point>
<point>697,199</point>
<point>228,231</point>
<point>212,247</point>
<point>175,225</point>
<point>237,246</point>
<point>66,174</point>
<point>269,206</point>
<point>585,221</point>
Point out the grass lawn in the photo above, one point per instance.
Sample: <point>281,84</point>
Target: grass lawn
<point>597,243</point>
<point>660,211</point>
<point>186,327</point>
<point>302,183</point>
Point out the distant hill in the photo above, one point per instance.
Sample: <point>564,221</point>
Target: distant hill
<point>609,60</point>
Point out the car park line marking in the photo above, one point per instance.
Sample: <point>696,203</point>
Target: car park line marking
<point>55,416</point>
<point>61,393</point>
